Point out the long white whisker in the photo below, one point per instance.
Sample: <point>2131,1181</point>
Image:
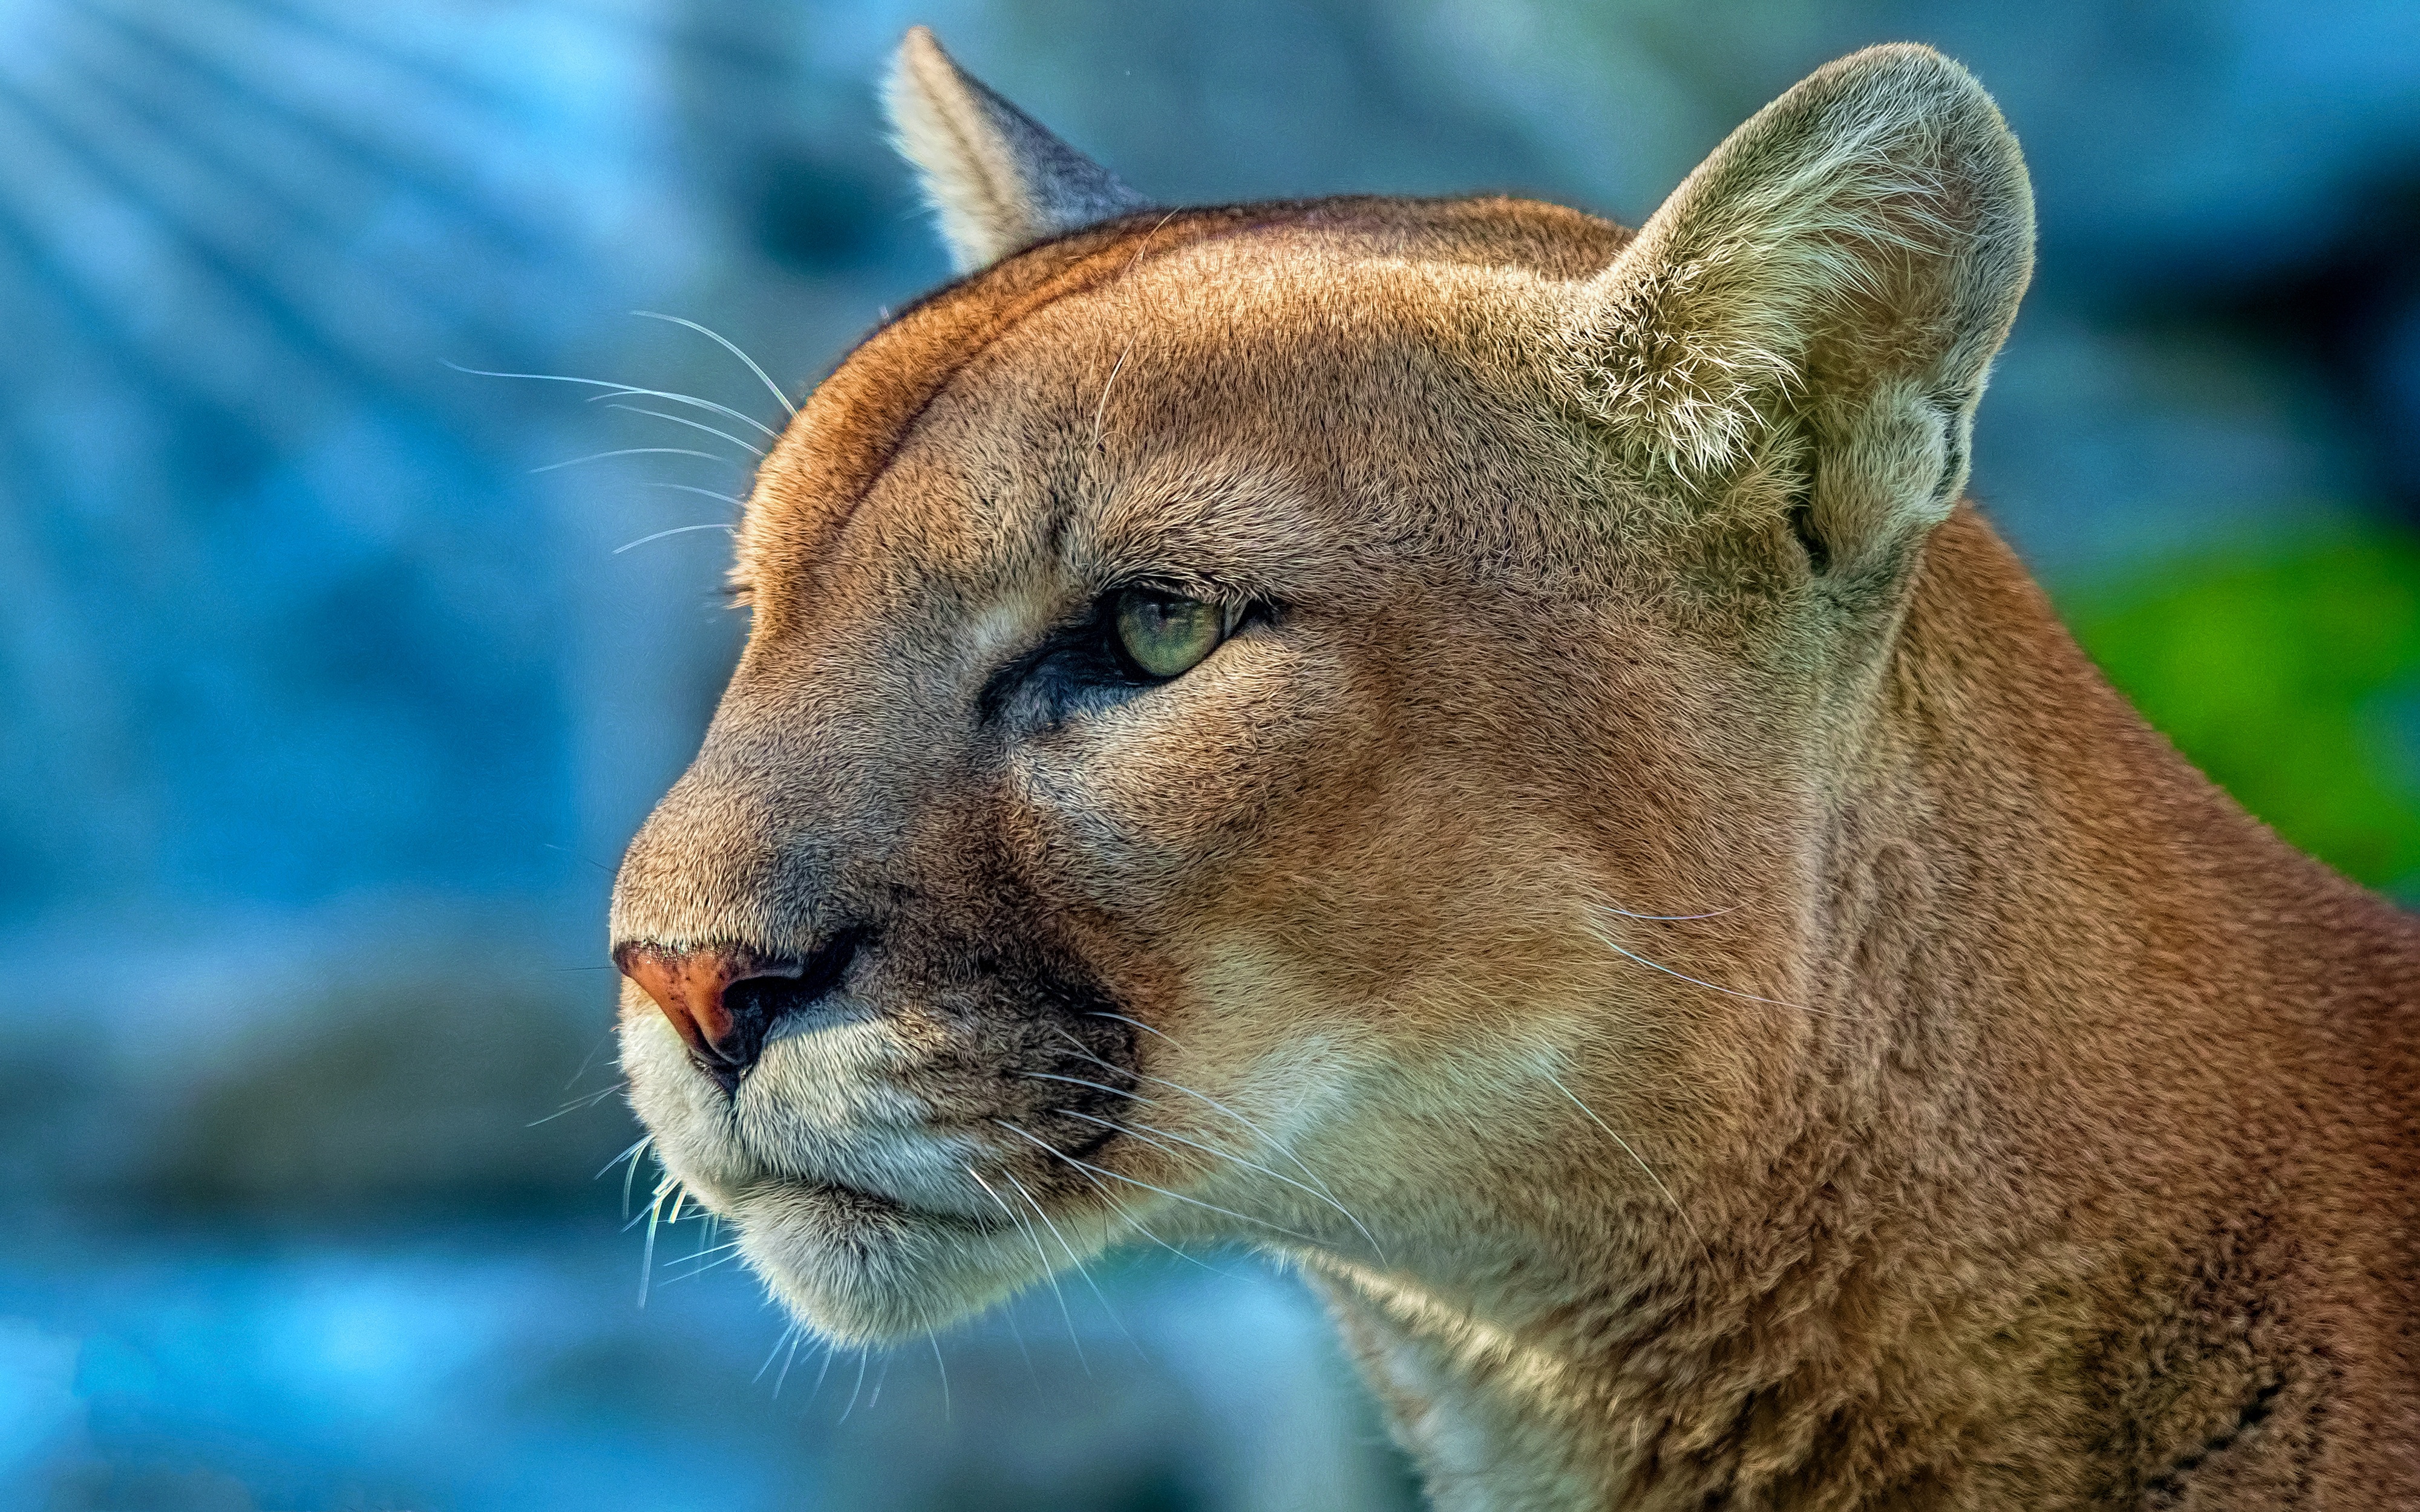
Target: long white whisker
<point>677,529</point>
<point>1049,1271</point>
<point>647,1256</point>
<point>795,1339</point>
<point>574,1106</point>
<point>625,390</point>
<point>1128,1218</point>
<point>1101,410</point>
<point>1249,1166</point>
<point>636,451</point>
<point>1205,1098</point>
<point>1079,1081</point>
<point>703,493</point>
<point>630,1175</point>
<point>1136,1022</point>
<point>1708,985</point>
<point>749,447</point>
<point>865,1357</point>
<point>1178,1197</point>
<point>1016,1334</point>
<point>1098,1295</point>
<point>698,1264</point>
<point>630,1155</point>
<point>1680,1211</point>
<point>788,1335</point>
<point>761,376</point>
<point>740,415</point>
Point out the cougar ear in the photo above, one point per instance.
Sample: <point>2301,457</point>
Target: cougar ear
<point>1805,327</point>
<point>996,179</point>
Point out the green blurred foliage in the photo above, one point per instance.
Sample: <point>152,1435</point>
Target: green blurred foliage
<point>2289,675</point>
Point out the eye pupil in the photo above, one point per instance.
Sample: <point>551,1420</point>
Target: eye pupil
<point>1167,634</point>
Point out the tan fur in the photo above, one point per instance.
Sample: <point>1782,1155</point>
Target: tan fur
<point>1989,1115</point>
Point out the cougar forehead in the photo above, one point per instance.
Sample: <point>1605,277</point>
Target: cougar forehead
<point>1063,377</point>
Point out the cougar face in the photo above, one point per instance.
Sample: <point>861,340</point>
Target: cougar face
<point>957,889</point>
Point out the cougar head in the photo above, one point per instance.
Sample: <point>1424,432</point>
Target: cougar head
<point>1228,689</point>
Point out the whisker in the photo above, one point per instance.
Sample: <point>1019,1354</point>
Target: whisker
<point>935,1340</point>
<point>1136,1223</point>
<point>1049,1272</point>
<point>788,1335</point>
<point>1694,982</point>
<point>816,1390</point>
<point>1627,1149</point>
<point>1145,245</point>
<point>1229,1154</point>
<point>1136,1022</point>
<point>574,1106</point>
<point>1079,1081</point>
<point>1258,1131</point>
<point>599,865</point>
<point>1178,1197</point>
<point>624,390</point>
<point>774,388</point>
<point>635,451</point>
<point>798,1337</point>
<point>677,529</point>
<point>672,1276</point>
<point>1127,1218</point>
<point>589,1059</point>
<point>693,424</point>
<point>865,1356</point>
<point>1099,1296</point>
<point>630,1155</point>
<point>1016,1335</point>
<point>698,1264</point>
<point>703,493</point>
<point>1101,410</point>
<point>647,1256</point>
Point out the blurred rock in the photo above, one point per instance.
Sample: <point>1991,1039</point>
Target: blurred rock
<point>447,1094</point>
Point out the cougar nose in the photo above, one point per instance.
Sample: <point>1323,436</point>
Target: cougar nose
<point>723,999</point>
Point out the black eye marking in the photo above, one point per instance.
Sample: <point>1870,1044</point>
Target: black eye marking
<point>1094,661</point>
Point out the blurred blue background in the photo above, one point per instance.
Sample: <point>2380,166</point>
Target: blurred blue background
<point>330,698</point>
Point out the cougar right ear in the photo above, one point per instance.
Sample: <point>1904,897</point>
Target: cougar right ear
<point>1824,295</point>
<point>997,181</point>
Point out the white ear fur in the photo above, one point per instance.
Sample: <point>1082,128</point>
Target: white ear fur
<point>1821,300</point>
<point>997,181</point>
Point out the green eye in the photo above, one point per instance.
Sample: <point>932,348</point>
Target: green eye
<point>1166,634</point>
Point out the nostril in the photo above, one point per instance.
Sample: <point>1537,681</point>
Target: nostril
<point>771,998</point>
<point>724,999</point>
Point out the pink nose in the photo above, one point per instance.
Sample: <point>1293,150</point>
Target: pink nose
<point>693,988</point>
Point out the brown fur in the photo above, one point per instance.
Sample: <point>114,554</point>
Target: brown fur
<point>2019,1125</point>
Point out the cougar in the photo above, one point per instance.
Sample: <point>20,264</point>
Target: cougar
<point>1486,753</point>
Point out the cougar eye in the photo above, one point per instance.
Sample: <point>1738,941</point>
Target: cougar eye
<point>1166,634</point>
